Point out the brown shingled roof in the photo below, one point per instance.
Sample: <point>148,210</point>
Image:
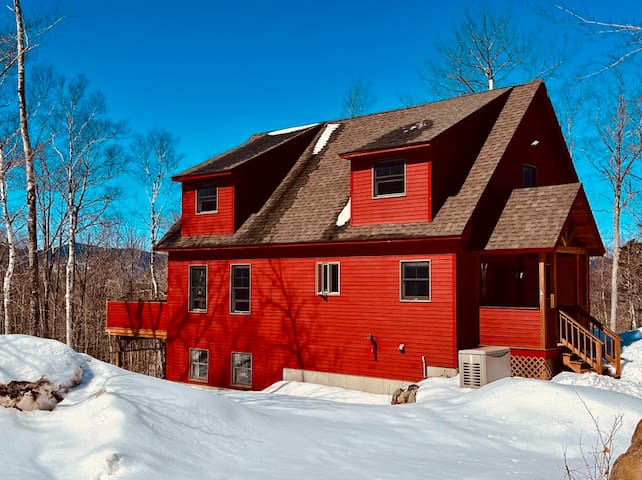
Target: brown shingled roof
<point>533,218</point>
<point>256,145</point>
<point>304,208</point>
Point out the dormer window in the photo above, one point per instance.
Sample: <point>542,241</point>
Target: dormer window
<point>207,199</point>
<point>389,178</point>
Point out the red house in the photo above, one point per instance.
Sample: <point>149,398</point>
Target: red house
<point>366,252</point>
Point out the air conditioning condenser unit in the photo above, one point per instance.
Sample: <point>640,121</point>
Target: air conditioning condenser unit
<point>482,365</point>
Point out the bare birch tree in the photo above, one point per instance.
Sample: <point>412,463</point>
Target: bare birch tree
<point>154,156</point>
<point>617,159</point>
<point>32,226</point>
<point>82,142</point>
<point>358,99</point>
<point>627,34</point>
<point>6,165</point>
<point>486,48</point>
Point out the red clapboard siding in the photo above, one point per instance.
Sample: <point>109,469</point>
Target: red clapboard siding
<point>290,326</point>
<point>137,315</point>
<point>195,224</point>
<point>414,206</point>
<point>512,327</point>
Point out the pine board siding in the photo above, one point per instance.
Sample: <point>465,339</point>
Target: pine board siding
<point>511,327</point>
<point>413,206</point>
<point>195,224</point>
<point>291,326</point>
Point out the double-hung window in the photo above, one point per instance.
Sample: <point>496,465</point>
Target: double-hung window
<point>242,369</point>
<point>328,278</point>
<point>389,178</point>
<point>207,199</point>
<point>198,288</point>
<point>198,364</point>
<point>240,289</point>
<point>415,280</point>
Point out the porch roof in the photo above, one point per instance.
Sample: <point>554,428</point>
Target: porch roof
<point>546,218</point>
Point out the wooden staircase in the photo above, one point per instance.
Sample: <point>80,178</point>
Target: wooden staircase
<point>591,346</point>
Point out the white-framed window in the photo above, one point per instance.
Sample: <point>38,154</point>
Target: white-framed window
<point>529,175</point>
<point>240,283</point>
<point>198,364</point>
<point>415,280</point>
<point>197,288</point>
<point>207,198</point>
<point>328,278</point>
<point>388,178</point>
<point>241,369</point>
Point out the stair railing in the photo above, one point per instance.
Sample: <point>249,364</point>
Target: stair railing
<point>579,340</point>
<point>612,344</point>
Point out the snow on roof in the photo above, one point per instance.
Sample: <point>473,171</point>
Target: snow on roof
<point>325,136</point>
<point>344,215</point>
<point>292,129</point>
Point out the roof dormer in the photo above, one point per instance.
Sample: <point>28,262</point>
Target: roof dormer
<point>391,185</point>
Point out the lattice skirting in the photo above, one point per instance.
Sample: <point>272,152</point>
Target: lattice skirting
<point>533,367</point>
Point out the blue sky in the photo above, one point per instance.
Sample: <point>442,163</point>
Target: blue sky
<point>213,73</point>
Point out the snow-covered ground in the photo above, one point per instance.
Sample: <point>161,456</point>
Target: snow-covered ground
<point>117,424</point>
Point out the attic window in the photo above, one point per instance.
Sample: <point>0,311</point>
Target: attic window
<point>389,178</point>
<point>207,199</point>
<point>529,176</point>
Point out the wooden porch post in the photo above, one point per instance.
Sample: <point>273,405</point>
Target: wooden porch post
<point>542,298</point>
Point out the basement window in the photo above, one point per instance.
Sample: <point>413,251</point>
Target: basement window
<point>240,289</point>
<point>197,288</point>
<point>198,364</point>
<point>328,278</point>
<point>242,369</point>
<point>415,281</point>
<point>389,178</point>
<point>207,199</point>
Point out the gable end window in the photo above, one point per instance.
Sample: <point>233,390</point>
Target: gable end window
<point>240,289</point>
<point>198,364</point>
<point>242,369</point>
<point>207,199</point>
<point>529,176</point>
<point>328,278</point>
<point>389,178</point>
<point>198,288</point>
<point>415,281</point>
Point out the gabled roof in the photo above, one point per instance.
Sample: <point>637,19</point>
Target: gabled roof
<point>534,218</point>
<point>256,145</point>
<point>305,206</point>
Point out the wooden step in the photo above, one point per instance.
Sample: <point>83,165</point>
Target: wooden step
<point>574,363</point>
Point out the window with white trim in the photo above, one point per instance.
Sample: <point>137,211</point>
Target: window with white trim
<point>389,178</point>
<point>207,198</point>
<point>242,369</point>
<point>240,289</point>
<point>415,280</point>
<point>328,278</point>
<point>198,364</point>
<point>197,288</point>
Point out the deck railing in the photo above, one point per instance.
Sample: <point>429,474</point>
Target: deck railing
<point>579,340</point>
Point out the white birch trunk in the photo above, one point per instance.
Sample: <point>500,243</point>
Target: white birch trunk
<point>69,276</point>
<point>8,275</point>
<point>152,255</point>
<point>616,262</point>
<point>32,226</point>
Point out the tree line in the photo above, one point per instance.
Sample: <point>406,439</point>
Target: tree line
<point>64,251</point>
